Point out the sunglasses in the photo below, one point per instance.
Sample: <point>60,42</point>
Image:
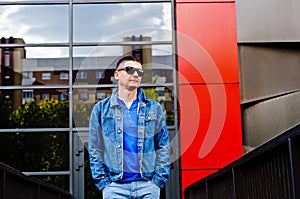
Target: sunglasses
<point>131,70</point>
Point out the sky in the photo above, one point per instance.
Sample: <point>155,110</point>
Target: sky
<point>92,23</point>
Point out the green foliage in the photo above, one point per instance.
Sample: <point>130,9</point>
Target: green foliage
<point>42,151</point>
<point>151,93</point>
<point>48,113</point>
<point>81,114</point>
<point>5,110</point>
<point>45,151</point>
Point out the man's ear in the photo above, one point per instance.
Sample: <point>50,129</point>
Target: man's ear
<point>116,74</point>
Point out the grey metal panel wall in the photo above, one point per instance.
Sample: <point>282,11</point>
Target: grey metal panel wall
<point>267,71</point>
<point>268,20</point>
<point>270,118</point>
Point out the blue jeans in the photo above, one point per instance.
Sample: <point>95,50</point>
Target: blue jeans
<point>135,189</point>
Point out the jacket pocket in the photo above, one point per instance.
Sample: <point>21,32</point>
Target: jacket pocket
<point>150,124</point>
<point>108,125</point>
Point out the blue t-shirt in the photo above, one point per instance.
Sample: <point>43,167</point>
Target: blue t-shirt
<point>130,149</point>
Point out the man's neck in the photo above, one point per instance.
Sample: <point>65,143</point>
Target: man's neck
<point>127,96</point>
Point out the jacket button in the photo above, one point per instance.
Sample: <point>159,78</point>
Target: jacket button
<point>119,146</point>
<point>119,131</point>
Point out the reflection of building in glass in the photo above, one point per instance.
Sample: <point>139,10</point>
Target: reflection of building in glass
<point>86,71</point>
<point>11,69</point>
<point>17,70</point>
<point>41,78</point>
<point>142,52</point>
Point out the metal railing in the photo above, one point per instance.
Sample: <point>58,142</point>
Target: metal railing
<point>15,184</point>
<point>271,171</point>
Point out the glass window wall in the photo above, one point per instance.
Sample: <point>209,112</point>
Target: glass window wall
<point>119,22</point>
<point>35,23</point>
<point>58,59</point>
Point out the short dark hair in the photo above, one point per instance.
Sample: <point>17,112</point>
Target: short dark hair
<point>126,58</point>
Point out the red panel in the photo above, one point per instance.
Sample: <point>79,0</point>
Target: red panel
<point>189,177</point>
<point>210,125</point>
<point>207,43</point>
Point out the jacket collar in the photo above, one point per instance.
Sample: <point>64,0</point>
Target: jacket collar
<point>140,95</point>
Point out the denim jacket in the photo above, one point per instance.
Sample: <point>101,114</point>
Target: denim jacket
<point>106,141</point>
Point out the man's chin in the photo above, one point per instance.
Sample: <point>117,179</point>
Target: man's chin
<point>133,87</point>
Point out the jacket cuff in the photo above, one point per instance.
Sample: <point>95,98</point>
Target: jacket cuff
<point>159,181</point>
<point>103,183</point>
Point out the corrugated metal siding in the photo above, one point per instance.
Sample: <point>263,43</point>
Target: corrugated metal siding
<point>266,176</point>
<point>198,193</point>
<point>271,171</point>
<point>222,187</point>
<point>268,20</point>
<point>295,153</point>
<point>270,90</point>
<point>267,71</point>
<point>270,118</point>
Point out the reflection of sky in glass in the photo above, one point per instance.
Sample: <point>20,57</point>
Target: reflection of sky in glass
<point>97,51</point>
<point>35,24</point>
<point>92,23</point>
<point>108,22</point>
<point>47,52</point>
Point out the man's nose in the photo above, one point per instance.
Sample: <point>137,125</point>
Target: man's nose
<point>135,74</point>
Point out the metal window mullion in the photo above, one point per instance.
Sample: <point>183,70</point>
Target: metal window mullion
<point>122,43</point>
<point>16,45</point>
<point>176,174</point>
<point>71,183</point>
<point>168,85</point>
<point>118,1</point>
<point>79,44</point>
<point>85,129</point>
<point>33,87</point>
<point>47,173</point>
<point>175,69</point>
<point>49,2</point>
<point>34,130</point>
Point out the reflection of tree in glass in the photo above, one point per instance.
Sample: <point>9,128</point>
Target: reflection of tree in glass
<point>81,114</point>
<point>38,151</point>
<point>48,113</point>
<point>5,110</point>
<point>153,94</point>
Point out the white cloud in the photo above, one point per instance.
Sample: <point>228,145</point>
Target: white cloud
<point>92,22</point>
<point>50,52</point>
<point>8,26</point>
<point>166,17</point>
<point>35,24</point>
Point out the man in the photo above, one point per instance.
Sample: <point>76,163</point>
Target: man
<point>128,139</point>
